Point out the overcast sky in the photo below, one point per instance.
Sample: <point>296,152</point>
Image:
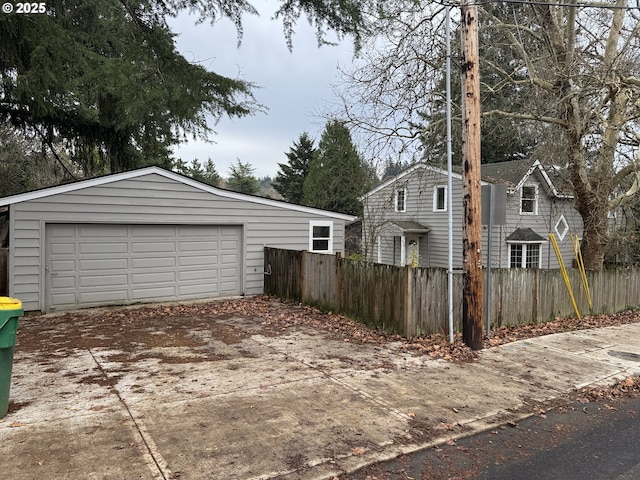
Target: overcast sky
<point>294,86</point>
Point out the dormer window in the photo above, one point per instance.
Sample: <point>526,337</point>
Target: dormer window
<point>529,200</point>
<point>401,200</point>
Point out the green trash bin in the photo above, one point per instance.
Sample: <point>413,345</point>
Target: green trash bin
<point>10,311</point>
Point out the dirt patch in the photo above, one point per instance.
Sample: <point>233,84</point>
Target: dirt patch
<point>195,326</point>
<point>15,406</point>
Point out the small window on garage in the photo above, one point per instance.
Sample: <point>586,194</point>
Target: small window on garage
<point>321,236</point>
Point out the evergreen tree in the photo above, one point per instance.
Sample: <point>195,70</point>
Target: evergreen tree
<point>242,179</point>
<point>206,173</point>
<point>105,78</point>
<point>290,179</point>
<point>336,176</point>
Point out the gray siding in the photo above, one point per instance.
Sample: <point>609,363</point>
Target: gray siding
<point>419,184</point>
<point>153,199</point>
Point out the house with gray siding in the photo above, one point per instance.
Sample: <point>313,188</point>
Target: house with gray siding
<point>149,235</point>
<point>405,220</point>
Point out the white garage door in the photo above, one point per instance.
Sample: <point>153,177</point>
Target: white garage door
<point>90,265</point>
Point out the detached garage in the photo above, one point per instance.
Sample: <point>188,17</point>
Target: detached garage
<point>149,235</point>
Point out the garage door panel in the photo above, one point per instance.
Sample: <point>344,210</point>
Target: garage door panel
<point>100,231</point>
<point>63,248</point>
<point>102,248</point>
<point>228,288</point>
<point>206,289</point>
<point>155,231</point>
<point>151,279</point>
<point>188,261</point>
<point>64,283</point>
<point>117,264</point>
<point>205,275</point>
<point>198,231</point>
<point>101,297</point>
<point>63,266</point>
<point>155,293</point>
<point>102,264</point>
<point>153,247</point>
<point>153,262</point>
<point>103,280</point>
<point>64,299</point>
<point>197,246</point>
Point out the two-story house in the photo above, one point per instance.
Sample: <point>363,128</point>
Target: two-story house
<point>405,218</point>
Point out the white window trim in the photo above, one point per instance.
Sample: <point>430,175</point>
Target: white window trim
<point>524,253</point>
<point>404,203</point>
<point>321,223</point>
<point>562,222</point>
<point>435,198</point>
<point>535,199</point>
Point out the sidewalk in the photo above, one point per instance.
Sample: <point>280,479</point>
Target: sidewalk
<point>301,405</point>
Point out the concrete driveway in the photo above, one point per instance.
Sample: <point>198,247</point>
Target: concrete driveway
<point>221,391</point>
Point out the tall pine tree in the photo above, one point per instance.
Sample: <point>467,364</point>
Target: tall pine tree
<point>290,179</point>
<point>336,177</point>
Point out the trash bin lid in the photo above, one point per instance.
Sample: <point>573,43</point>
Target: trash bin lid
<point>8,303</point>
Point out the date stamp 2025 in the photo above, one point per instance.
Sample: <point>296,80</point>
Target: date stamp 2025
<point>24,7</point>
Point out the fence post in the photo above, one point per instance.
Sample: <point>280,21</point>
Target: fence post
<point>409,318</point>
<point>338,284</point>
<point>303,276</point>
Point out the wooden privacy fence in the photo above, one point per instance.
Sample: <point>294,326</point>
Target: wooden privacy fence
<point>414,301</point>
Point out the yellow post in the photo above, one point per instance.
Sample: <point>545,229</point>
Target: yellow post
<point>583,273</point>
<point>556,248</point>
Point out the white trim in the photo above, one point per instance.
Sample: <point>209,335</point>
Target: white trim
<point>403,250</point>
<point>321,223</point>
<point>545,177</point>
<point>566,229</point>
<point>523,260</point>
<point>535,199</point>
<point>435,198</point>
<point>379,244</point>
<point>404,200</point>
<point>115,177</point>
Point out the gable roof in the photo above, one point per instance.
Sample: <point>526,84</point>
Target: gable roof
<point>513,174</point>
<point>141,172</point>
<point>413,168</point>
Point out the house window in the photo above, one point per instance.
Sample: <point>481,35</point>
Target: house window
<point>440,199</point>
<point>401,200</point>
<point>321,237</point>
<point>529,200</point>
<point>524,255</point>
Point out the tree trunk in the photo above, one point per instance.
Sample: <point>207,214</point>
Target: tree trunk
<point>594,238</point>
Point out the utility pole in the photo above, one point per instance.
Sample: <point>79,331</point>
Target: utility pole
<point>471,192</point>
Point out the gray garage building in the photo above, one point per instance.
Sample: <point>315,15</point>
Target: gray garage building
<point>149,235</point>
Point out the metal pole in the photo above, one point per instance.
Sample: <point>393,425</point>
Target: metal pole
<point>449,182</point>
<point>487,290</point>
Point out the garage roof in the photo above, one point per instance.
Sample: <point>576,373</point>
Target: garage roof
<point>115,177</point>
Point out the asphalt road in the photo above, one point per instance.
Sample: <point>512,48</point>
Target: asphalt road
<point>596,441</point>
